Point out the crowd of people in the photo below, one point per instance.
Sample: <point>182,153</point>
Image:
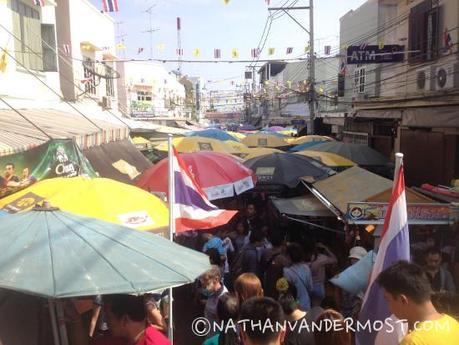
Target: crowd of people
<point>261,272</point>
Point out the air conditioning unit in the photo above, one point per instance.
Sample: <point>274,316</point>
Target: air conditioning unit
<point>106,102</point>
<point>424,79</point>
<point>446,77</point>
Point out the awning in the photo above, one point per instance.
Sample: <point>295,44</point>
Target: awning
<point>307,205</point>
<point>17,134</point>
<point>354,184</point>
<point>119,160</point>
<point>379,113</point>
<point>439,117</point>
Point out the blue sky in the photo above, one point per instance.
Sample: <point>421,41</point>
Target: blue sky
<point>209,24</point>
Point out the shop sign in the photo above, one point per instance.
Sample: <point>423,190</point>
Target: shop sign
<point>366,54</point>
<point>56,158</point>
<point>374,213</point>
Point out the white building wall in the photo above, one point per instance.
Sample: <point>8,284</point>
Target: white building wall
<point>168,95</point>
<point>17,85</point>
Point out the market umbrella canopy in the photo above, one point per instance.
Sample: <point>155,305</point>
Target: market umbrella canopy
<point>219,175</point>
<point>213,134</point>
<point>260,151</point>
<point>237,135</point>
<point>264,140</point>
<point>328,158</point>
<point>247,127</point>
<point>56,254</point>
<point>306,146</point>
<point>196,144</point>
<point>287,169</point>
<point>308,139</point>
<point>99,198</point>
<point>360,154</point>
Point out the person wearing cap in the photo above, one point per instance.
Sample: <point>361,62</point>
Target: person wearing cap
<point>351,303</point>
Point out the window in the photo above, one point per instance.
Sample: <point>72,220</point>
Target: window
<point>359,79</point>
<point>144,96</point>
<point>109,85</point>
<point>27,32</point>
<point>89,77</point>
<point>423,32</point>
<point>49,48</point>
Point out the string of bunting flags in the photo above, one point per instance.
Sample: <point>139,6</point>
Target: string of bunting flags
<point>217,52</point>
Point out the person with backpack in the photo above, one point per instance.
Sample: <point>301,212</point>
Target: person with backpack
<point>299,274</point>
<point>274,261</point>
<point>251,254</point>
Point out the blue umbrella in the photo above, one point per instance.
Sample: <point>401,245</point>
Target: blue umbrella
<point>55,254</point>
<point>214,134</point>
<point>305,146</point>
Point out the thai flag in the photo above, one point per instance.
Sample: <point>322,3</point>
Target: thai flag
<point>217,53</point>
<point>289,50</point>
<point>395,246</point>
<point>192,208</point>
<point>255,52</point>
<point>110,5</point>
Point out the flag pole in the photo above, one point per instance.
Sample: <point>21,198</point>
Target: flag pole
<point>398,164</point>
<point>171,200</point>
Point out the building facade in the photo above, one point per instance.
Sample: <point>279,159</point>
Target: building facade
<point>147,90</point>
<point>410,105</point>
<point>28,61</point>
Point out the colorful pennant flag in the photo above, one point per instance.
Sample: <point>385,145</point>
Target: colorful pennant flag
<point>179,51</point>
<point>140,50</point>
<point>110,5</point>
<point>197,52</point>
<point>342,68</point>
<point>271,51</point>
<point>40,3</point>
<point>3,61</point>
<point>120,46</point>
<point>217,53</point>
<point>226,2</point>
<point>192,208</point>
<point>447,40</point>
<point>394,246</point>
<point>255,52</point>
<point>268,2</point>
<point>327,50</point>
<point>381,44</point>
<point>289,84</point>
<point>161,47</point>
<point>306,49</point>
<point>289,50</point>
<point>66,49</point>
<point>234,53</point>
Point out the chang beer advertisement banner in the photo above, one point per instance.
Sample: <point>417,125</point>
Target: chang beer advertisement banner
<point>56,158</point>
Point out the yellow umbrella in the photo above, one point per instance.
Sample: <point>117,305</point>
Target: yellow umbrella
<point>140,141</point>
<point>307,139</point>
<point>196,144</point>
<point>288,132</point>
<point>99,198</point>
<point>236,148</point>
<point>264,140</point>
<point>328,158</point>
<point>260,151</point>
<point>237,135</point>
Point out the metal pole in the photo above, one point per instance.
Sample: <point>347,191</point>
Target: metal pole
<point>52,315</point>
<point>171,199</point>
<point>312,69</point>
<point>61,322</point>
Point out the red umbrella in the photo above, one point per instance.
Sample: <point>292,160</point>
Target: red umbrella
<point>218,174</point>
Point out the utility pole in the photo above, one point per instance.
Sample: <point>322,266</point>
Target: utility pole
<point>312,74</point>
<point>312,71</point>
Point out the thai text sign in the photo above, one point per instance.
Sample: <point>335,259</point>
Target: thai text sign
<point>365,54</point>
<point>374,213</point>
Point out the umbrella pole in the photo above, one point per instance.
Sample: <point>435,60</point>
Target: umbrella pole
<point>171,200</point>
<point>61,322</point>
<point>52,314</point>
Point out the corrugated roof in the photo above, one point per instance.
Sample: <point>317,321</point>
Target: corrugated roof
<point>306,205</point>
<point>352,185</point>
<point>17,134</point>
